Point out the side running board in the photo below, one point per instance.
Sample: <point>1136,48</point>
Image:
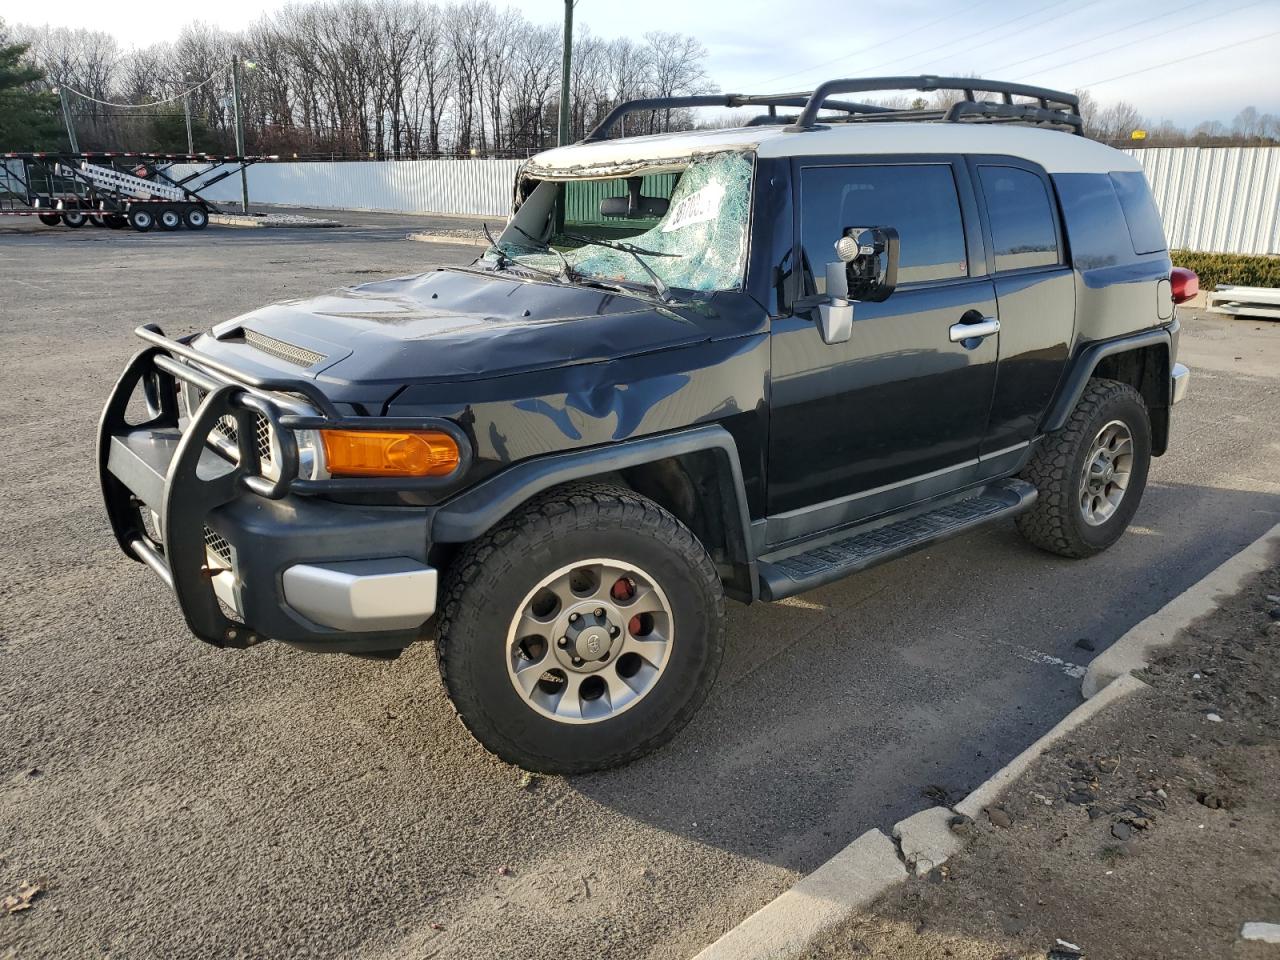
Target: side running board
<point>786,575</point>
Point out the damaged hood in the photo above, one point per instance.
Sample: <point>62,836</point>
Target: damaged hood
<point>364,343</point>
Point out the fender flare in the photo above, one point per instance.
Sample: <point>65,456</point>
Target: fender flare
<point>1087,360</point>
<point>473,512</point>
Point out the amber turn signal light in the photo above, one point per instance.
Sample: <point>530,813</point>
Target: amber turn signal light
<point>385,453</point>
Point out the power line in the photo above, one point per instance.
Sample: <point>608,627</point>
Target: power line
<point>968,36</point>
<point>142,106</point>
<point>1153,36</point>
<point>874,46</point>
<point>1190,56</point>
<point>999,37</point>
<point>1143,21</point>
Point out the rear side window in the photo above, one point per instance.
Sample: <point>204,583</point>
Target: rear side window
<point>1023,231</point>
<point>917,200</point>
<point>1140,213</point>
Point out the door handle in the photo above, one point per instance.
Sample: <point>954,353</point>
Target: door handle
<point>978,330</point>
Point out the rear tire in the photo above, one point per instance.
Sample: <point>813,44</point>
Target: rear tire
<point>49,219</point>
<point>196,219</point>
<point>1090,474</point>
<point>74,218</point>
<point>169,219</point>
<point>553,598</point>
<point>141,219</point>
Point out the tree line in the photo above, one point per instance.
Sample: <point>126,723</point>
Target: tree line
<point>378,79</point>
<point>397,79</point>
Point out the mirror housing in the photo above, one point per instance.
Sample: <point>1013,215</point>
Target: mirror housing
<point>634,205</point>
<point>870,256</point>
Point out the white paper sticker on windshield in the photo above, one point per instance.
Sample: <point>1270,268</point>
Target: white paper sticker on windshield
<point>697,207</point>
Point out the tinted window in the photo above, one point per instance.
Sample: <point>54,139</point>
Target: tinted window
<point>1140,213</point>
<point>1022,228</point>
<point>1094,220</point>
<point>919,201</point>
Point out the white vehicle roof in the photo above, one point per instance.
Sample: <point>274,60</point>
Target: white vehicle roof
<point>1055,150</point>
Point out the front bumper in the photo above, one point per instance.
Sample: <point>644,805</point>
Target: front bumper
<point>250,557</point>
<point>1181,378</point>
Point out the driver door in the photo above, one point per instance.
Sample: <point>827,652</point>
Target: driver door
<point>898,412</point>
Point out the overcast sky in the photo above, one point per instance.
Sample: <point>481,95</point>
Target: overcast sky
<point>1217,55</point>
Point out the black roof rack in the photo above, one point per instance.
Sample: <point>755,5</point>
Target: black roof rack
<point>1052,108</point>
<point>770,100</point>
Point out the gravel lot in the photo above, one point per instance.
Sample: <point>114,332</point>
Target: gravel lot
<point>190,802</point>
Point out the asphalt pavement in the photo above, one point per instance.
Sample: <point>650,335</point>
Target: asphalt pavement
<point>181,801</point>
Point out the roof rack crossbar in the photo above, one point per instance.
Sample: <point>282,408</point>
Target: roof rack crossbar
<point>1056,106</point>
<point>772,101</point>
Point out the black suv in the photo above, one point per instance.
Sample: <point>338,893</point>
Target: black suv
<point>716,363</point>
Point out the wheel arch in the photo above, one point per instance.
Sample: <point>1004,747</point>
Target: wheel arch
<point>695,474</point>
<point>1143,360</point>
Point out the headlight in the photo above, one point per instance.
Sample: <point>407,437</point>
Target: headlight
<point>311,461</point>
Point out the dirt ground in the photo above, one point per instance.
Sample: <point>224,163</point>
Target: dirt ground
<point>1151,832</point>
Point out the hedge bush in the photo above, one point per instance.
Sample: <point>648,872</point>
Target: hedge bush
<point>1245,270</point>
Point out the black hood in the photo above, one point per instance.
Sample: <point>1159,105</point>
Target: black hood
<point>365,342</point>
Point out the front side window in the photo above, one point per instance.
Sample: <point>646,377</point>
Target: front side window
<point>1022,225</point>
<point>917,200</point>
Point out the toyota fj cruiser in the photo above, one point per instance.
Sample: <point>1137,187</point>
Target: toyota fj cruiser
<point>739,363</point>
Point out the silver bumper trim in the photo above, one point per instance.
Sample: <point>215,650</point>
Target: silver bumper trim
<point>363,595</point>
<point>1181,377</point>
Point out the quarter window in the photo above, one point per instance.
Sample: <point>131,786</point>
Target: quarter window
<point>917,200</point>
<point>1022,224</point>
<point>1140,213</point>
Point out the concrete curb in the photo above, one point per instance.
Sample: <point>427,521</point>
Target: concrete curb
<point>872,864</point>
<point>1133,650</point>
<point>446,238</point>
<point>784,927</point>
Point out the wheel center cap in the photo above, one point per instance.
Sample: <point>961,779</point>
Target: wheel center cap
<point>592,642</point>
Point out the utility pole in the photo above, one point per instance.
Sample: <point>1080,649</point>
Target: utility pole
<point>235,98</point>
<point>66,116</point>
<point>186,109</point>
<point>564,72</point>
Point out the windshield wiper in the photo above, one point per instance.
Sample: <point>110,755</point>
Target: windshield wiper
<point>659,286</point>
<point>566,271</point>
<point>505,260</point>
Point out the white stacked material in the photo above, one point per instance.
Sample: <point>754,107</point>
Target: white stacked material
<point>1245,301</point>
<point>105,178</point>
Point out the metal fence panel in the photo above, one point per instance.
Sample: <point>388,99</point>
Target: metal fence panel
<point>1217,199</point>
<point>478,186</point>
<point>1213,199</point>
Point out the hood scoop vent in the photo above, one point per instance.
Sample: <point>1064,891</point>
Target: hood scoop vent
<point>287,352</point>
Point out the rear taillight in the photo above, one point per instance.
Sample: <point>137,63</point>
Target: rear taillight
<point>1185,284</point>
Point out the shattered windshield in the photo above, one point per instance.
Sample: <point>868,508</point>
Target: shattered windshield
<point>690,230</point>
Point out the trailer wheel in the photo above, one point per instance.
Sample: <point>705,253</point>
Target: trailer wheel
<point>49,219</point>
<point>141,220</point>
<point>115,221</point>
<point>196,219</point>
<point>97,220</point>
<point>169,218</point>
<point>74,218</point>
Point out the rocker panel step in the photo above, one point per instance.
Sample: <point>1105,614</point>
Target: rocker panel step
<point>787,576</point>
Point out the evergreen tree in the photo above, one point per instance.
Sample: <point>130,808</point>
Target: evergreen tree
<point>28,115</point>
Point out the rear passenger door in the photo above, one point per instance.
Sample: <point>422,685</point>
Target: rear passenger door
<point>898,412</point>
<point>1035,291</point>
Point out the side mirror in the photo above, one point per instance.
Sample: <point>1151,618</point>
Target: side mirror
<point>634,205</point>
<point>867,270</point>
<point>870,256</point>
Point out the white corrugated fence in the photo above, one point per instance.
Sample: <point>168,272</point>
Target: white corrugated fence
<point>1219,199</point>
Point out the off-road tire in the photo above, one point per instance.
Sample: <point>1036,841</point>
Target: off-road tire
<point>1056,523</point>
<point>483,588</point>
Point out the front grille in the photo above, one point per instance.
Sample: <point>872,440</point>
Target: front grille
<point>219,545</point>
<point>289,352</point>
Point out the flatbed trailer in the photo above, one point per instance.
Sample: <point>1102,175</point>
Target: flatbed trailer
<point>115,190</point>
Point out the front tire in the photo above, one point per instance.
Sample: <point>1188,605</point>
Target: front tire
<point>581,633</point>
<point>1090,474</point>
